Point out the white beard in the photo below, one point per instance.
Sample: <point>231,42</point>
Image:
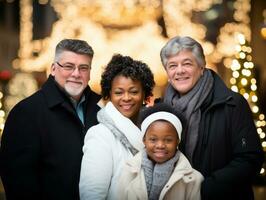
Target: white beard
<point>74,91</point>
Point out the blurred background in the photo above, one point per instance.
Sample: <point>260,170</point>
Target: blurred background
<point>232,32</point>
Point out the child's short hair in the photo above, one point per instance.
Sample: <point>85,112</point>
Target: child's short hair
<point>162,111</point>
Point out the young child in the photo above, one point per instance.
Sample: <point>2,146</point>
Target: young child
<point>161,171</point>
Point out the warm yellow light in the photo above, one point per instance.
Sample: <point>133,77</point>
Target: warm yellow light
<point>259,130</point>
<point>263,32</point>
<point>246,95</point>
<point>253,87</point>
<point>260,123</point>
<point>244,81</point>
<point>249,58</point>
<point>241,38</point>
<point>242,91</point>
<point>255,109</point>
<point>235,65</point>
<point>248,49</point>
<point>253,81</point>
<point>227,62</point>
<point>261,117</point>
<point>1,95</point>
<point>238,48</point>
<point>234,88</point>
<point>263,144</point>
<point>235,74</point>
<point>177,21</point>
<point>262,135</point>
<point>2,113</point>
<point>232,81</point>
<point>248,65</point>
<point>244,48</point>
<point>1,127</point>
<point>254,98</point>
<point>246,72</point>
<point>262,170</point>
<point>242,55</point>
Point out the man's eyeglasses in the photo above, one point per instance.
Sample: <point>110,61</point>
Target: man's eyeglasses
<point>70,68</point>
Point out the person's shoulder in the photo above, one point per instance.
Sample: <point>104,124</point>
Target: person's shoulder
<point>29,101</point>
<point>91,95</point>
<point>99,131</point>
<point>26,107</point>
<point>194,174</point>
<point>237,99</point>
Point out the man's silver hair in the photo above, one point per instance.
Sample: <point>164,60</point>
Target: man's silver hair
<point>177,44</point>
<point>73,45</point>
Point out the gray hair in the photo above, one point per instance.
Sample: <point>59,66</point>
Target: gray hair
<point>177,44</point>
<point>74,45</point>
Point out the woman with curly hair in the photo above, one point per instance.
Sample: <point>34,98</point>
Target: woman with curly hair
<point>126,84</point>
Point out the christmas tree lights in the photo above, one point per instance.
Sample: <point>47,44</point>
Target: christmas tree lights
<point>244,81</point>
<point>2,113</point>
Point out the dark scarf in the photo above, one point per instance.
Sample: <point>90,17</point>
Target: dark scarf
<point>157,175</point>
<point>190,105</point>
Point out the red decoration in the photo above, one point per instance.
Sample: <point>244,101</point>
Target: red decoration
<point>5,75</point>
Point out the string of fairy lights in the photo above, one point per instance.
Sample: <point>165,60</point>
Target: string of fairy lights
<point>243,81</point>
<point>2,113</point>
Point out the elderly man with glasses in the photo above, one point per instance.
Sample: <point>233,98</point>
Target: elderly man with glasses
<point>41,146</point>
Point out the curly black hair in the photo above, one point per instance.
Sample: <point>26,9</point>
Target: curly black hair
<point>126,66</point>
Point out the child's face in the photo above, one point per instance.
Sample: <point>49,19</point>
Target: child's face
<point>161,141</point>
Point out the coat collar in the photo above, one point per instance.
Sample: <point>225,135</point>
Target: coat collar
<point>55,95</point>
<point>183,170</point>
<point>123,124</point>
<point>182,167</point>
<point>220,92</point>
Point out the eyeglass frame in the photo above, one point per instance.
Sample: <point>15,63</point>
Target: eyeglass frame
<point>85,68</point>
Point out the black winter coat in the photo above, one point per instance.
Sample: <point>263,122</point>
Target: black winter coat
<point>41,147</point>
<point>228,151</point>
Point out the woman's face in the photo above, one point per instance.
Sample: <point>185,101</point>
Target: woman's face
<point>127,96</point>
<point>161,141</point>
<point>183,71</point>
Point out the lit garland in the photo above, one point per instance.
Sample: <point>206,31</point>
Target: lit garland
<point>243,81</point>
<point>19,87</point>
<point>178,19</point>
<point>263,28</point>
<point>138,36</point>
<point>2,114</point>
